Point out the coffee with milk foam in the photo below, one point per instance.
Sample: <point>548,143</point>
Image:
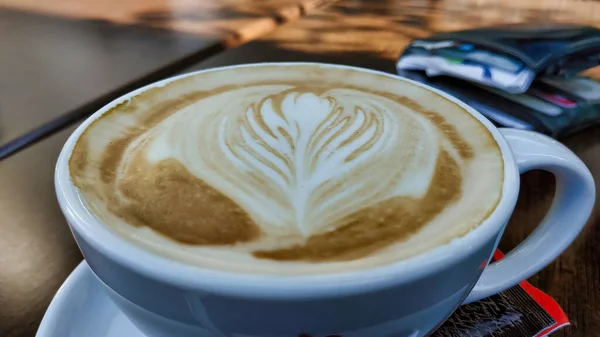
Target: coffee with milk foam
<point>288,169</point>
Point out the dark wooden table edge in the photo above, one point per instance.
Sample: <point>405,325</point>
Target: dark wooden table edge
<point>73,116</point>
<point>39,133</point>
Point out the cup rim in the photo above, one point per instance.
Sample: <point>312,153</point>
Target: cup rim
<point>175,273</point>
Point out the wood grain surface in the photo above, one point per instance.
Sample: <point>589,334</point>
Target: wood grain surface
<point>237,20</point>
<point>372,34</point>
<point>63,59</point>
<point>36,248</point>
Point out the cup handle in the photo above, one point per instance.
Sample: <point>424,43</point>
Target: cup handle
<point>571,207</point>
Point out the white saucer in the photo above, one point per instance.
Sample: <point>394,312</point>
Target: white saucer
<point>80,308</point>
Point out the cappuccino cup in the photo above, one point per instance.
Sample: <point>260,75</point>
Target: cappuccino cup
<point>305,199</point>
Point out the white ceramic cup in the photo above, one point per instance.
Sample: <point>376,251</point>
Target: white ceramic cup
<point>412,297</point>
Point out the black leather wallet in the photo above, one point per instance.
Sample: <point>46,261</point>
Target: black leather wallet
<point>522,75</point>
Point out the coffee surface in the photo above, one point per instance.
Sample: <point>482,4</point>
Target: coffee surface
<point>288,169</point>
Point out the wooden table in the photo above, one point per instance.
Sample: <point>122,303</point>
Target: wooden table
<point>362,33</point>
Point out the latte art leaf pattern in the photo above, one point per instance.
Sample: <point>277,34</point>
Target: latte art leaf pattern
<point>310,171</point>
<point>299,147</point>
<point>300,163</point>
<point>314,157</point>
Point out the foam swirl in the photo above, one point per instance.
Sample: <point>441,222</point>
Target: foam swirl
<point>297,161</point>
<point>283,170</point>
